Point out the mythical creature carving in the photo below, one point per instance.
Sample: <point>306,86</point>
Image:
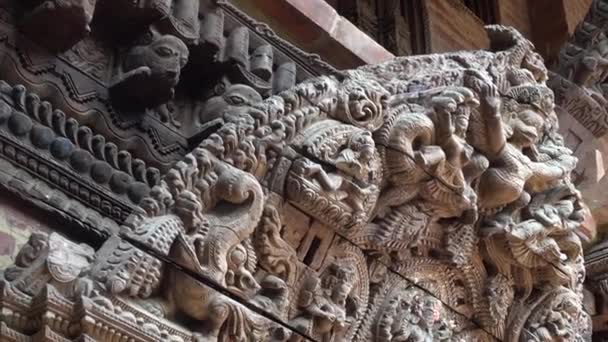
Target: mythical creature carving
<point>237,95</point>
<point>149,73</point>
<point>545,247</point>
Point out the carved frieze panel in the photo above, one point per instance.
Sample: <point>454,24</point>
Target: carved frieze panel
<point>579,83</point>
<point>49,279</point>
<point>68,156</point>
<point>426,198</point>
<point>580,73</point>
<point>117,66</point>
<point>400,310</point>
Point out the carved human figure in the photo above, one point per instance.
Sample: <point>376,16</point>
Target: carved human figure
<point>317,313</point>
<point>592,69</point>
<point>149,74</point>
<point>355,162</point>
<point>411,316</point>
<point>511,172</point>
<point>325,303</point>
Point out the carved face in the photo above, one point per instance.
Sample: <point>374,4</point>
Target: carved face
<point>527,128</point>
<point>534,62</point>
<point>165,57</point>
<point>237,95</point>
<point>241,95</point>
<point>341,283</point>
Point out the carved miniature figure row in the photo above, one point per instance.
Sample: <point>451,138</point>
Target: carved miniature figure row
<point>444,170</point>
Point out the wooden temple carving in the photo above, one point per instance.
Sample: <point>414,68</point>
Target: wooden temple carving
<point>243,190</point>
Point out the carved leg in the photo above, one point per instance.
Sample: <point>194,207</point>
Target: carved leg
<point>498,187</point>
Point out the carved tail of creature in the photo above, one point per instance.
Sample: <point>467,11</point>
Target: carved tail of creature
<point>238,207</point>
<point>400,141</point>
<point>508,40</point>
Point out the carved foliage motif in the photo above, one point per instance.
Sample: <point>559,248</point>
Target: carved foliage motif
<point>401,202</point>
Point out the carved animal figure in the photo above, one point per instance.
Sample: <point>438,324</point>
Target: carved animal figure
<point>237,95</point>
<point>150,73</point>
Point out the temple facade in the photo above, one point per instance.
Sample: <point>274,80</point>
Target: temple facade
<point>303,170</point>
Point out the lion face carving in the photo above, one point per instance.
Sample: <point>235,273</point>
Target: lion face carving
<point>165,57</point>
<point>149,73</point>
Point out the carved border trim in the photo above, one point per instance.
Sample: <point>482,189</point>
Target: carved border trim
<point>32,134</point>
<point>311,62</point>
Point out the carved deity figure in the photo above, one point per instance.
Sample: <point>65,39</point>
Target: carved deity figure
<point>149,74</point>
<point>412,316</point>
<point>354,163</point>
<point>325,305</point>
<point>504,186</point>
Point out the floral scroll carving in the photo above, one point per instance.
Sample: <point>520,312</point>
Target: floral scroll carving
<point>424,199</point>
